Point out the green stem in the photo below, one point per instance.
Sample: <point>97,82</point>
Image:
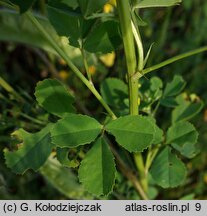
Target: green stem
<point>174,59</point>
<point>9,89</point>
<point>77,72</point>
<point>150,157</point>
<point>127,29</point>
<point>141,168</point>
<point>37,121</point>
<point>124,9</point>
<point>156,108</point>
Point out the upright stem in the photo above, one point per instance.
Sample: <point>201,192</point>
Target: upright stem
<point>128,40</point>
<point>124,11</point>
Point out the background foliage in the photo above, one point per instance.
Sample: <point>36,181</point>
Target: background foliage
<point>23,66</point>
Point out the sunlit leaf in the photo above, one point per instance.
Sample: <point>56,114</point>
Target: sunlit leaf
<point>74,130</point>
<point>134,133</point>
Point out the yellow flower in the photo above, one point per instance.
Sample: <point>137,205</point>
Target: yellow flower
<point>92,69</point>
<point>205,178</point>
<point>108,59</point>
<point>64,74</point>
<point>108,8</point>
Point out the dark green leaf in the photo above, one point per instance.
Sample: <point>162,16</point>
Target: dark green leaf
<point>54,97</point>
<point>167,170</point>
<point>68,22</point>
<point>97,170</point>
<point>23,5</point>
<point>74,130</point>
<point>186,109</point>
<point>134,133</point>
<point>32,153</point>
<point>175,87</point>
<point>169,102</point>
<point>104,38</point>
<point>65,23</point>
<point>114,91</point>
<point>89,7</point>
<point>183,137</point>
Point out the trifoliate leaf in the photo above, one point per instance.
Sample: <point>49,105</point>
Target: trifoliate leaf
<point>97,170</point>
<point>134,133</point>
<point>33,152</point>
<point>167,170</point>
<point>74,130</point>
<point>54,97</point>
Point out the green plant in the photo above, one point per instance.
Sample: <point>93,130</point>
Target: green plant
<point>155,153</point>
